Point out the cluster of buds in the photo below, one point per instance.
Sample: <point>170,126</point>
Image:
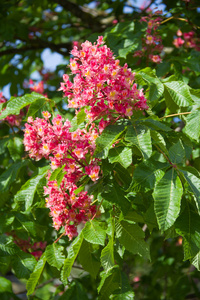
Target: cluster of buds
<point>187,40</point>
<point>152,42</point>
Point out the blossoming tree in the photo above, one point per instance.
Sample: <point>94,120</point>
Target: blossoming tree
<point>100,182</point>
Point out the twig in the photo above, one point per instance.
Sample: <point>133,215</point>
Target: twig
<point>173,115</point>
<point>97,210</point>
<point>59,237</point>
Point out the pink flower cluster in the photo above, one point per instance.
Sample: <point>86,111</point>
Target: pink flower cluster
<point>187,40</point>
<point>152,42</point>
<point>74,151</point>
<point>13,120</point>
<point>35,249</point>
<point>107,92</point>
<point>100,84</point>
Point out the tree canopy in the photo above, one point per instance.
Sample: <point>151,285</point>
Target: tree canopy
<point>100,158</point>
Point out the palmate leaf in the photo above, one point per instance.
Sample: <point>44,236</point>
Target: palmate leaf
<point>177,153</point>
<point>125,291</point>
<point>94,233</point>
<point>192,128</point>
<point>54,255</point>
<point>28,190</point>
<point>23,264</point>
<point>156,86</point>
<point>109,282</point>
<point>196,261</point>
<point>116,195</point>
<point>106,139</point>
<point>122,155</point>
<point>187,225</point>
<point>7,247</point>
<point>72,254</point>
<point>194,184</point>
<point>131,236</point>
<point>139,136</point>
<point>159,141</point>
<point>179,93</point>
<point>15,104</point>
<point>5,285</point>
<point>9,175</point>
<point>35,276</point>
<point>107,256</point>
<point>88,260</point>
<point>36,106</point>
<point>148,172</point>
<point>75,291</point>
<point>167,198</point>
<point>16,148</point>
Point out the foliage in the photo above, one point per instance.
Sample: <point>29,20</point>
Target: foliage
<point>103,195</point>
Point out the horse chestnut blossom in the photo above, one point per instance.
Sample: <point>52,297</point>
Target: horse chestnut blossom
<point>107,92</point>
<point>152,42</point>
<point>56,143</point>
<point>100,84</point>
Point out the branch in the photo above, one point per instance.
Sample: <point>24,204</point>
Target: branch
<point>80,13</point>
<point>39,45</point>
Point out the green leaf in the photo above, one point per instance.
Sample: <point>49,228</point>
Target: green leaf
<point>107,256</point>
<point>35,276</point>
<point>131,236</point>
<point>16,148</point>
<point>179,93</point>
<point>5,285</point>
<point>28,190</point>
<point>3,144</point>
<point>155,124</point>
<point>7,247</point>
<point>194,184</point>
<point>187,225</point>
<point>177,153</point>
<point>167,198</point>
<point>23,264</point>
<point>56,173</point>
<point>94,233</point>
<point>139,136</point>
<point>74,291</point>
<point>106,139</point>
<point>15,104</point>
<point>196,261</point>
<point>159,141</point>
<point>125,291</point>
<point>72,254</point>
<point>35,107</point>
<point>8,176</point>
<point>27,223</point>
<point>109,282</point>
<point>122,155</point>
<point>192,128</point>
<point>156,87</point>
<point>88,260</point>
<point>54,255</point>
<point>148,172</point>
<point>81,116</point>
<point>116,195</point>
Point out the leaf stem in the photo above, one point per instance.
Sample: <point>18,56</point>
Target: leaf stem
<point>183,113</point>
<point>59,237</point>
<point>97,210</point>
